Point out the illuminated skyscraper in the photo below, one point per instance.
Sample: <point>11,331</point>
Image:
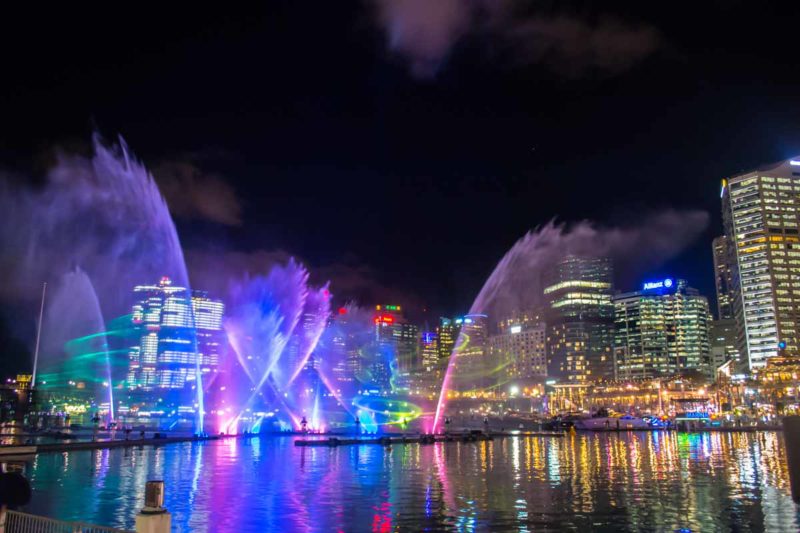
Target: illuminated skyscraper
<point>176,333</point>
<point>722,339</point>
<point>521,318</point>
<point>299,341</point>
<point>580,320</point>
<point>341,370</point>
<point>723,277</point>
<point>473,368</point>
<point>429,350</point>
<point>398,348</point>
<point>448,334</point>
<point>761,213</point>
<point>661,330</point>
<point>522,349</point>
<point>348,342</point>
<point>425,378</point>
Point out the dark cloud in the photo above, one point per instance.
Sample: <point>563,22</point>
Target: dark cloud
<point>425,32</point>
<point>213,270</point>
<point>354,282</point>
<point>195,194</point>
<point>574,47</point>
<point>350,280</point>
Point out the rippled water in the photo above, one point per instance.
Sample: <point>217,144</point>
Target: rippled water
<point>611,482</point>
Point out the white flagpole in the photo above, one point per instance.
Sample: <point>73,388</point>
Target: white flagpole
<point>38,337</point>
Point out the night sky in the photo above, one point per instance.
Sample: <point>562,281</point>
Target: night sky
<point>406,147</point>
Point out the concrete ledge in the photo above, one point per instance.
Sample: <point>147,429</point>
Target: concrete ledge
<point>101,444</point>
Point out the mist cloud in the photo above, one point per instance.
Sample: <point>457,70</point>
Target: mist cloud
<point>101,214</point>
<point>516,283</point>
<point>193,193</point>
<point>424,32</point>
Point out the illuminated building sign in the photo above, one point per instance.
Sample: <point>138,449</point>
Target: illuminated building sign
<point>662,284</point>
<point>692,415</point>
<point>385,319</point>
<point>515,329</point>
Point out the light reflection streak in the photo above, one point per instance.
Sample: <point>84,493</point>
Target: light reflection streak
<point>625,481</point>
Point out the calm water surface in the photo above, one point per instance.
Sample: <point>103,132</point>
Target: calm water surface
<point>603,482</point>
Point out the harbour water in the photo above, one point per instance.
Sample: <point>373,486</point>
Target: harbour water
<point>644,481</point>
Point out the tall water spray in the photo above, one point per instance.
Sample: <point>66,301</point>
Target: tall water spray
<point>274,323</point>
<point>74,342</point>
<point>103,214</point>
<point>515,284</point>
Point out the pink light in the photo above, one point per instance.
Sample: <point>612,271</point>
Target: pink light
<point>443,392</point>
<point>295,420</point>
<point>312,344</point>
<point>229,426</point>
<point>332,390</point>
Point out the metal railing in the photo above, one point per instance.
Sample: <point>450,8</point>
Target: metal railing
<point>16,522</point>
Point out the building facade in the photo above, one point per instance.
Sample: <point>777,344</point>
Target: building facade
<point>661,330</point>
<point>397,348</point>
<point>761,213</point>
<point>723,277</point>
<point>447,331</point>
<point>472,368</point>
<point>177,333</point>
<point>522,350</point>
<point>722,339</point>
<point>580,320</point>
<point>429,351</point>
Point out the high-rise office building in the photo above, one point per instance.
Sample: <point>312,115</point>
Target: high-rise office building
<point>301,340</point>
<point>521,318</point>
<point>426,377</point>
<point>522,349</point>
<point>472,368</point>
<point>429,350</point>
<point>722,339</point>
<point>350,346</point>
<point>761,213</point>
<point>447,332</point>
<point>397,347</point>
<point>723,277</point>
<point>177,332</point>
<point>661,330</point>
<point>580,320</point>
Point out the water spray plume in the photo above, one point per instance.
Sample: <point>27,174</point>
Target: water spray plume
<point>274,324</point>
<point>98,227</point>
<point>516,282</point>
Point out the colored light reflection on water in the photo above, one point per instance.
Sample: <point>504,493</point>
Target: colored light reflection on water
<point>626,482</point>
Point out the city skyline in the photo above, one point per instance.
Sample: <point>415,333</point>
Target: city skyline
<point>400,265</point>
